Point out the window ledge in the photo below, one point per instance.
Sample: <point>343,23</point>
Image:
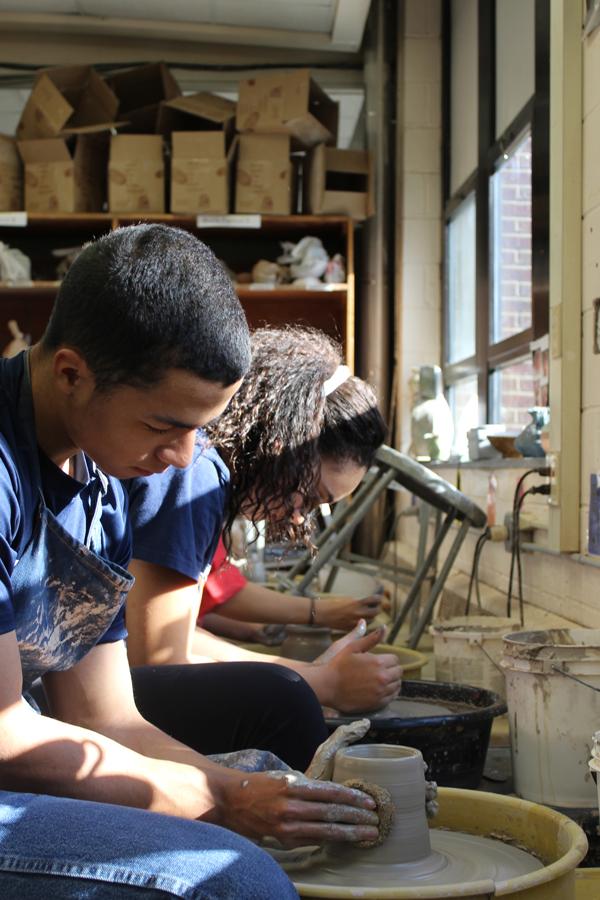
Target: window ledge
<point>523,462</point>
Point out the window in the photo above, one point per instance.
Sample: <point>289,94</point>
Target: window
<point>460,279</point>
<point>462,398</point>
<point>512,393</point>
<point>496,245</point>
<point>510,213</point>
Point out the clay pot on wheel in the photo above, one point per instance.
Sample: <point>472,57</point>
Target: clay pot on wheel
<point>305,642</point>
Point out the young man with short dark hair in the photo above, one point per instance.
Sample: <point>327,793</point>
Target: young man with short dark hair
<point>147,342</point>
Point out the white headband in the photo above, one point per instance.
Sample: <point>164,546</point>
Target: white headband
<point>341,374</point>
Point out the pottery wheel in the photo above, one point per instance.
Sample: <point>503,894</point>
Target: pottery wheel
<point>456,858</point>
<point>415,708</point>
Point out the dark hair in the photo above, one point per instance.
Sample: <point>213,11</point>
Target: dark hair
<point>280,424</point>
<point>148,298</point>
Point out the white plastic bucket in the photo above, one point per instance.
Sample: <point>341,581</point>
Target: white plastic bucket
<point>468,650</point>
<point>594,763</point>
<point>553,694</point>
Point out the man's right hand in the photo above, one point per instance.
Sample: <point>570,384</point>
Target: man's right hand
<point>297,810</point>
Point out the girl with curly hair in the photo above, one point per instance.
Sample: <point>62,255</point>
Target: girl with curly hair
<point>300,431</point>
<point>299,425</point>
<point>293,437</point>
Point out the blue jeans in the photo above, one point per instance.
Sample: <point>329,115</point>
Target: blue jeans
<point>65,849</point>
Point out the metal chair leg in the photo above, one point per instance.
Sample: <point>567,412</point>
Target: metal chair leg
<point>436,589</point>
<point>420,577</point>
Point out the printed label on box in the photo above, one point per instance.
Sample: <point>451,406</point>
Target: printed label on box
<point>13,219</point>
<point>230,221</point>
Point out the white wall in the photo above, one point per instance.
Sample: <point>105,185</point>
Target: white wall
<point>419,227</point>
<point>590,401</point>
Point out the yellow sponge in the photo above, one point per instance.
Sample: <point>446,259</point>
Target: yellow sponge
<point>384,809</point>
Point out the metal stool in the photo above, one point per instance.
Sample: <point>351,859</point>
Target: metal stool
<point>396,471</point>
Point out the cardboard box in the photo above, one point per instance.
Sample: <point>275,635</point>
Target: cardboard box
<point>11,175</point>
<point>65,175</point>
<point>140,91</point>
<point>68,99</point>
<point>263,182</point>
<point>287,103</point>
<point>200,172</point>
<point>198,112</point>
<point>339,182</point>
<point>136,174</point>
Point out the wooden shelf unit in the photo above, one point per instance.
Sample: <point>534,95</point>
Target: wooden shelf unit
<point>331,309</point>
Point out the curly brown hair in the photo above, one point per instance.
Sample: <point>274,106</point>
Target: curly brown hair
<point>280,424</point>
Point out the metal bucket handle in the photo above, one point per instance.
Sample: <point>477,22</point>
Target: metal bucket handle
<point>493,661</point>
<point>560,671</point>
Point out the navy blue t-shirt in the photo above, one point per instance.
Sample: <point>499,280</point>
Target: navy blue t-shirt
<point>177,517</point>
<point>67,498</point>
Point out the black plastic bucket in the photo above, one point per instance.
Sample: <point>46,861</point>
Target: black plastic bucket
<point>453,745</point>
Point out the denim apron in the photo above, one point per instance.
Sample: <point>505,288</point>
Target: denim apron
<point>65,594</point>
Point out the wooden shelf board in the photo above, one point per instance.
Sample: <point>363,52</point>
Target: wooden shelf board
<point>244,292</point>
<point>275,223</point>
<point>34,287</point>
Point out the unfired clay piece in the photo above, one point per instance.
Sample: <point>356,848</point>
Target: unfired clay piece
<point>412,855</point>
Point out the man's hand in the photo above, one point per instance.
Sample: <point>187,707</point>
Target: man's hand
<point>297,810</point>
<point>362,681</point>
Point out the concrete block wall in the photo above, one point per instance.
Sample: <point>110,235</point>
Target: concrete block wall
<point>590,400</point>
<point>419,219</point>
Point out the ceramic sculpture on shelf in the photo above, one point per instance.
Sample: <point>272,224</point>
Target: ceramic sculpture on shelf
<point>266,272</point>
<point>306,259</point>
<point>431,424</point>
<point>335,273</point>
<point>19,340</point>
<point>529,442</point>
<point>15,267</point>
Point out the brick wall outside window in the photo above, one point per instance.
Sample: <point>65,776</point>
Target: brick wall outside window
<point>511,279</point>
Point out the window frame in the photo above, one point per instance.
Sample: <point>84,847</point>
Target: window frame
<point>535,115</point>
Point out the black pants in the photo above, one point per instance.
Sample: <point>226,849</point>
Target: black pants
<point>220,707</point>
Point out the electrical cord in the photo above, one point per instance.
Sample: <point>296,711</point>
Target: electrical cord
<point>474,579</point>
<point>544,472</point>
<point>515,545</point>
<point>515,558</point>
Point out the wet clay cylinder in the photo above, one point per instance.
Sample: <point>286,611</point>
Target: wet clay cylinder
<point>401,770</point>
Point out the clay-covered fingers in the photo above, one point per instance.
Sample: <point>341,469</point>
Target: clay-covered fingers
<point>298,833</point>
<point>324,792</point>
<point>324,811</point>
<point>296,810</point>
